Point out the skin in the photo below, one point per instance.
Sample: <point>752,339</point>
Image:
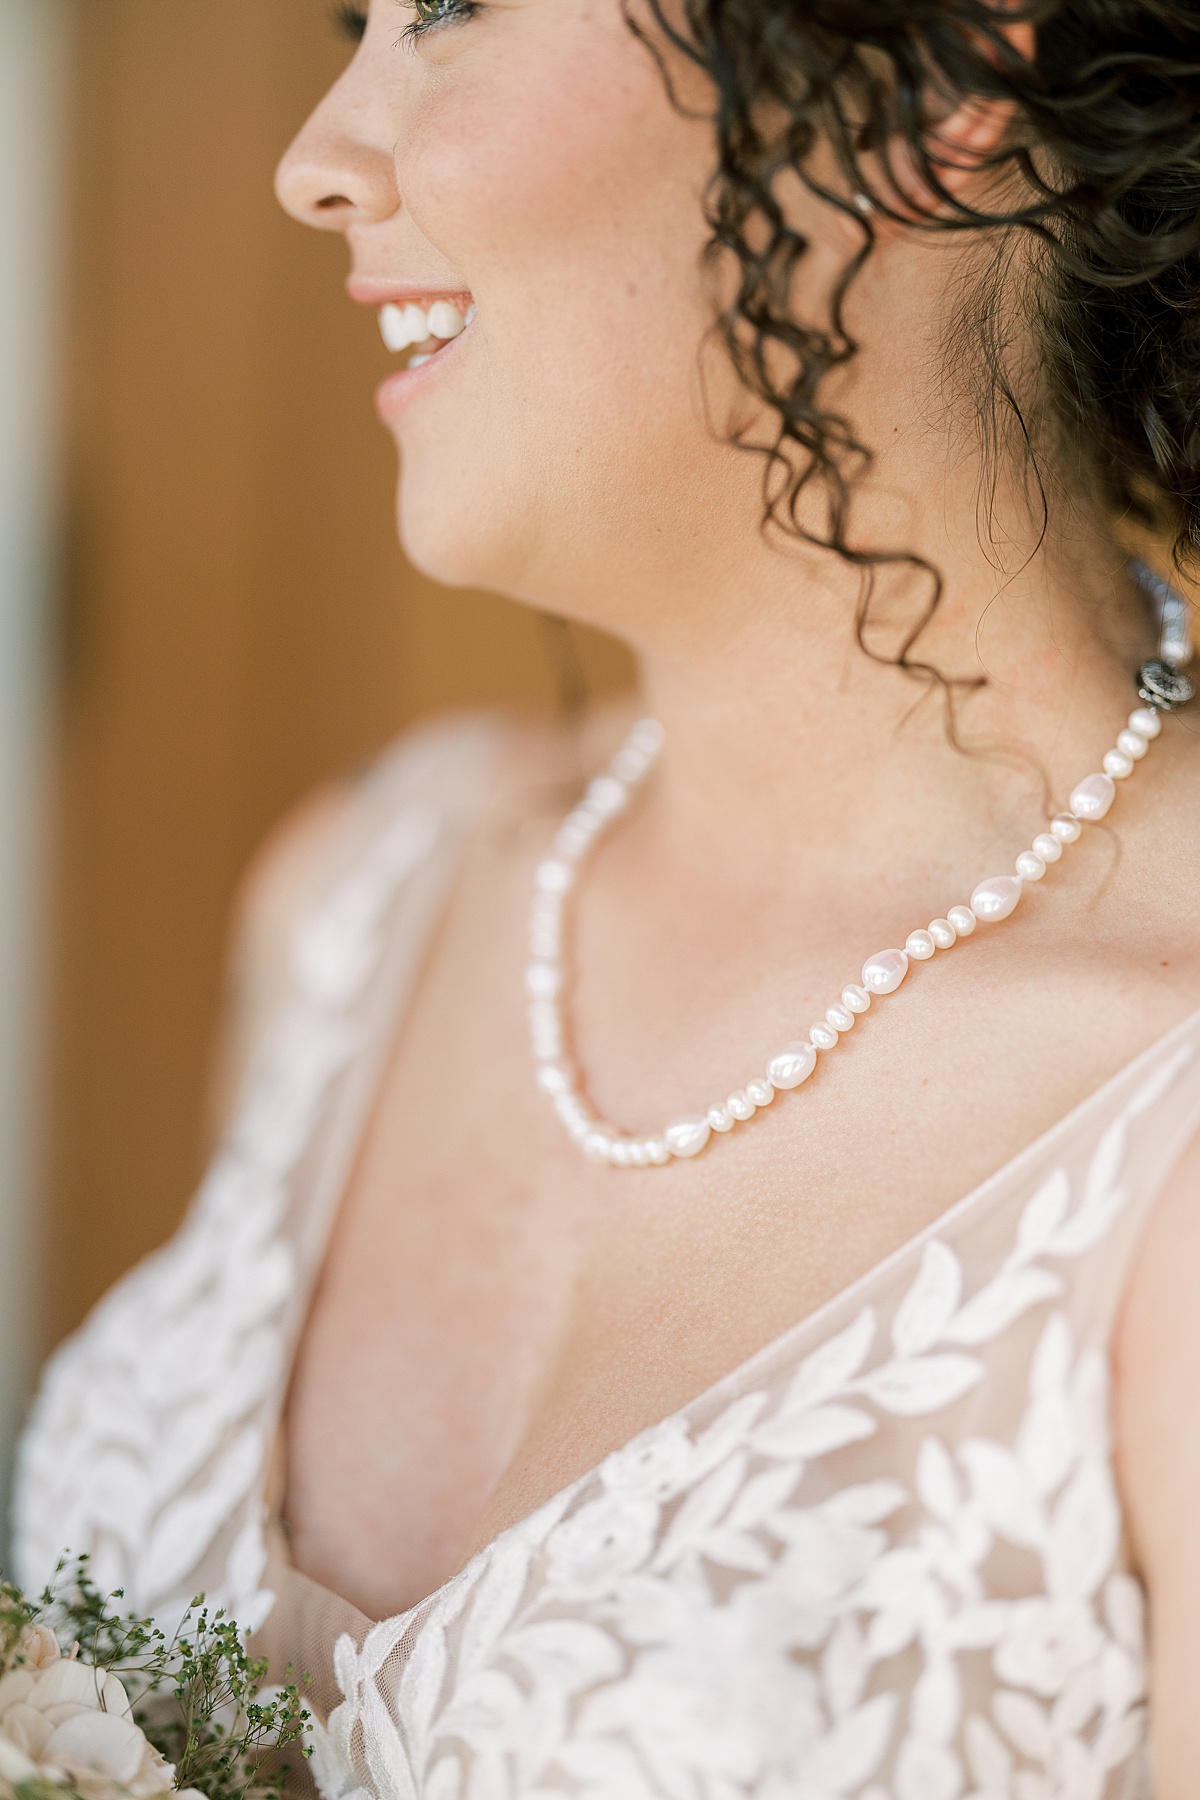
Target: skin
<point>494,1314</point>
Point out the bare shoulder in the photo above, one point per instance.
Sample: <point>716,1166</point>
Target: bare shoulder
<point>273,892</point>
<point>1157,1367</point>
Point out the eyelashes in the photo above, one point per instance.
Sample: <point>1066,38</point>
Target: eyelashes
<point>350,21</point>
<point>428,14</point>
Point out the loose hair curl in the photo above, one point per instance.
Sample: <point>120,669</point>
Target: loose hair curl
<point>1104,164</point>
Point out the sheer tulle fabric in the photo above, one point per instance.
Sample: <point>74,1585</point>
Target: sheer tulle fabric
<point>884,1559</point>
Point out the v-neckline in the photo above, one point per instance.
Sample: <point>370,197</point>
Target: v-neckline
<point>273,1479</point>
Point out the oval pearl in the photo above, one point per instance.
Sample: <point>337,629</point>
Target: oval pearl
<point>554,1078</point>
<point>761,1092</point>
<point>1030,866</point>
<point>856,999</point>
<point>719,1119</point>
<point>840,1017</point>
<point>794,1064</point>
<point>543,980</point>
<point>883,972</point>
<point>629,764</point>
<point>962,919</point>
<point>1117,764</point>
<point>647,735</point>
<point>740,1106</point>
<point>919,945</point>
<point>1093,797</point>
<point>995,898</point>
<point>943,934</point>
<point>687,1137</point>
<point>822,1036</point>
<point>1047,846</point>
<point>1146,722</point>
<point>554,876</point>
<point>1066,828</point>
<point>1133,744</point>
<point>606,796</point>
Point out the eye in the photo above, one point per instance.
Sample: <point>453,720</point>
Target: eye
<point>350,21</point>
<point>429,13</point>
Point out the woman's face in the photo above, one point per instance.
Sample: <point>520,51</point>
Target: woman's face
<point>521,159</point>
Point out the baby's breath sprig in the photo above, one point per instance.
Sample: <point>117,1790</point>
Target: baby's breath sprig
<point>197,1695</point>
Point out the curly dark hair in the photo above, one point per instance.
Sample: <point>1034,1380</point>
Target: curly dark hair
<point>1100,173</point>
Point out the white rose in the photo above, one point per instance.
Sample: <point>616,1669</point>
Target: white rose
<point>64,1721</point>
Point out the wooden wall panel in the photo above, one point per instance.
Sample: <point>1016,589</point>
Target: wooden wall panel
<point>238,621</point>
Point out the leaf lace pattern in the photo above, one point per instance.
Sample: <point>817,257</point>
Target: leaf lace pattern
<point>890,1567</point>
<point>884,1560</point>
<point>147,1443</point>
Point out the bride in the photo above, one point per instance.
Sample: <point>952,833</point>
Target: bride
<point>696,1297</point>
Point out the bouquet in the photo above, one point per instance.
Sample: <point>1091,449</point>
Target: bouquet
<point>96,1705</point>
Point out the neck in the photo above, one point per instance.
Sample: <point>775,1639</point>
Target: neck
<point>789,747</point>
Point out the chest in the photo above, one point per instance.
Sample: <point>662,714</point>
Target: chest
<point>494,1315</point>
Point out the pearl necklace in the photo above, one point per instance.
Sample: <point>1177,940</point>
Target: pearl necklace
<point>1161,688</point>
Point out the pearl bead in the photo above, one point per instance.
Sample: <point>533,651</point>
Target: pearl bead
<point>1093,797</point>
<point>545,945</point>
<point>1066,828</point>
<point>855,999</point>
<point>554,876</point>
<point>1030,866</point>
<point>962,919</point>
<point>629,764</point>
<point>740,1106</point>
<point>648,736</point>
<point>1117,764</point>
<point>657,1152</point>
<point>637,1154</point>
<point>883,972</point>
<point>1132,743</point>
<point>995,898</point>
<point>596,1146</point>
<point>606,796</point>
<point>794,1064</point>
<point>1047,846</point>
<point>1146,722</point>
<point>920,945</point>
<point>543,980</point>
<point>840,1017</point>
<point>554,1078</point>
<point>719,1119</point>
<point>943,933</point>
<point>761,1092</point>
<point>822,1036</point>
<point>618,1153</point>
<point>687,1137</point>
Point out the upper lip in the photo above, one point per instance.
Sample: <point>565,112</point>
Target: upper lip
<point>377,290</point>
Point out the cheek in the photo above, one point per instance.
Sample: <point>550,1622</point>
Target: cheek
<point>568,198</point>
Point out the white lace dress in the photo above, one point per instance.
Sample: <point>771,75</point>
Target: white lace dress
<point>883,1559</point>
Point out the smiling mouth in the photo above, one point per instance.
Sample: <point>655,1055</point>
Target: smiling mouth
<point>419,332</point>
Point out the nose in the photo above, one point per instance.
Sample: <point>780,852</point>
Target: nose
<point>334,176</point>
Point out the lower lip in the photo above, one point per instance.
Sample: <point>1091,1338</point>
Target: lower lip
<point>394,392</point>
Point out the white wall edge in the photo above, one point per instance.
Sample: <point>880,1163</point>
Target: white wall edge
<point>33,129</point>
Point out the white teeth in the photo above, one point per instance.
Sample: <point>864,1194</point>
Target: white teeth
<point>445,320</point>
<point>414,362</point>
<point>416,324</point>
<point>402,326</point>
<point>391,327</point>
<point>471,311</point>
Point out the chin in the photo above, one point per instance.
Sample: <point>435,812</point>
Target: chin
<point>459,531</point>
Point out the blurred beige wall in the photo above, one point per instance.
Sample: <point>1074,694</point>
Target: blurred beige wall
<point>238,621</point>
